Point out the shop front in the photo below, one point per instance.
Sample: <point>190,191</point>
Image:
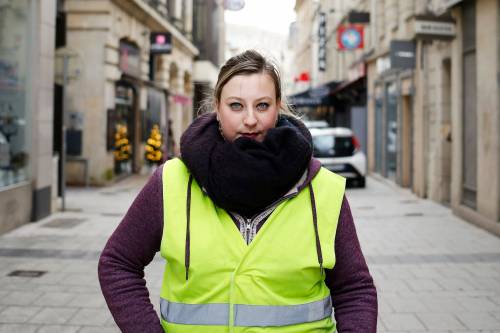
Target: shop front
<point>14,84</point>
<point>26,160</point>
<point>393,117</point>
<point>121,129</point>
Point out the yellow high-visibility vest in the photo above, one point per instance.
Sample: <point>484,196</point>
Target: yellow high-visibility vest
<point>274,284</point>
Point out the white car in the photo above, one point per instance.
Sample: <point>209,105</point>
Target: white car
<point>338,150</point>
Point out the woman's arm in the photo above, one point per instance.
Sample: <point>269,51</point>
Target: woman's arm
<point>130,248</point>
<point>354,296</point>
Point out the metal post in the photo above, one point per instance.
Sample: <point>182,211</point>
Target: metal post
<point>63,132</point>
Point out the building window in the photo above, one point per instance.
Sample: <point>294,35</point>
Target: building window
<point>14,77</point>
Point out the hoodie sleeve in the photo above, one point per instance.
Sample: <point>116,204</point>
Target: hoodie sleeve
<point>131,247</point>
<point>353,293</point>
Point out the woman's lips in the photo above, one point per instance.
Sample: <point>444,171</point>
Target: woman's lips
<point>250,135</point>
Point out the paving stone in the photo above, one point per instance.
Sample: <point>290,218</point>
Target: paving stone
<point>441,321</point>
<point>56,288</point>
<point>18,314</point>
<point>456,284</point>
<point>51,278</point>
<point>479,321</point>
<point>20,297</point>
<point>90,317</point>
<point>392,285</point>
<point>54,299</point>
<point>402,322</point>
<point>93,300</point>
<point>80,279</point>
<point>58,329</point>
<point>478,304</point>
<point>406,305</point>
<point>53,315</point>
<point>17,328</point>
<point>99,330</point>
<point>443,305</point>
<point>423,285</point>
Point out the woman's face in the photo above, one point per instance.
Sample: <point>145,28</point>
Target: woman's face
<point>248,107</point>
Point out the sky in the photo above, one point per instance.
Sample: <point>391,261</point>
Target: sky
<point>271,15</point>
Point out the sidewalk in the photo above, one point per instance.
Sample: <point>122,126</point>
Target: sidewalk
<point>434,272</point>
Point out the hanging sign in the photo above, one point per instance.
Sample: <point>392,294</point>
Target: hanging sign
<point>350,37</point>
<point>161,43</point>
<point>402,54</point>
<point>430,29</point>
<point>322,42</point>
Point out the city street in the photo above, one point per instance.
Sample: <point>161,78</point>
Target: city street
<point>433,271</point>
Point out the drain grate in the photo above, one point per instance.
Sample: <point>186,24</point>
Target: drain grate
<point>413,214</point>
<point>411,201</point>
<point>26,273</point>
<point>365,207</point>
<point>63,223</point>
<point>112,214</point>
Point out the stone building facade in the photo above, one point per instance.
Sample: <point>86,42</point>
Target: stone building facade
<point>444,110</point>
<point>432,105</point>
<point>27,30</point>
<point>122,85</point>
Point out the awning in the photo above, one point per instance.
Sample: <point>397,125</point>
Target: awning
<point>353,89</point>
<point>318,96</point>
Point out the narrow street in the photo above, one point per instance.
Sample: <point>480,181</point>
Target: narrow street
<point>433,271</point>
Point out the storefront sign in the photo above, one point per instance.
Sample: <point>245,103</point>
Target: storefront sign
<point>402,54</point>
<point>434,29</point>
<point>358,17</point>
<point>322,42</point>
<point>161,43</point>
<point>350,37</point>
<point>130,60</point>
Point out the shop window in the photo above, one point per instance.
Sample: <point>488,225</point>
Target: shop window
<point>120,128</point>
<point>14,78</point>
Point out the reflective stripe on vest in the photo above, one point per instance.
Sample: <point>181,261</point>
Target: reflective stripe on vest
<point>245,315</point>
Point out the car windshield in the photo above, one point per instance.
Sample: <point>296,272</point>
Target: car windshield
<point>331,146</point>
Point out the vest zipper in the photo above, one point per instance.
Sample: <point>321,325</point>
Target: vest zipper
<point>248,230</point>
<point>249,224</point>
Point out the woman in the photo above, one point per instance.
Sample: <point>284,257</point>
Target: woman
<point>256,235</point>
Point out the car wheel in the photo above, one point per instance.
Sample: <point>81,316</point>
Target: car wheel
<point>361,182</point>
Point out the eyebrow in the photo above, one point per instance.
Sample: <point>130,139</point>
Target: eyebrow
<point>241,99</point>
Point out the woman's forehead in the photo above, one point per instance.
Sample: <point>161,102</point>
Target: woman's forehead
<point>249,85</point>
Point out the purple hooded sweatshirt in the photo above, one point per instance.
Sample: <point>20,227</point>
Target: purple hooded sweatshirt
<point>137,239</point>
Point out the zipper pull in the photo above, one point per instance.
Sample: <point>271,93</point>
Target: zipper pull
<point>248,229</point>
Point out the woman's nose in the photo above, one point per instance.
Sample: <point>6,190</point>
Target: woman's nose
<point>250,119</point>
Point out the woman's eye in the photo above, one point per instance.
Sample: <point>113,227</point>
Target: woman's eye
<point>236,106</point>
<point>262,106</point>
